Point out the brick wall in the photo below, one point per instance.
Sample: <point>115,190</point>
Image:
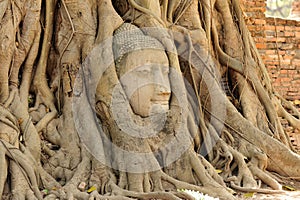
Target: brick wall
<point>278,41</point>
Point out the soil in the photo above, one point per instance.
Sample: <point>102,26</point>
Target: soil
<point>286,196</point>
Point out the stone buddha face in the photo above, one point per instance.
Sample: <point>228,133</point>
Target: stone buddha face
<point>144,76</point>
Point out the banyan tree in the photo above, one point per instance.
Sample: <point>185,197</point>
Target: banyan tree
<point>136,99</point>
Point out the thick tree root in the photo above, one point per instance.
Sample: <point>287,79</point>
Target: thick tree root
<point>243,154</point>
<point>22,161</point>
<point>265,177</point>
<point>257,190</point>
<point>280,105</point>
<point>159,195</point>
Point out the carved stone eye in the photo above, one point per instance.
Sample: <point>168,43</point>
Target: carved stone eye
<point>144,70</point>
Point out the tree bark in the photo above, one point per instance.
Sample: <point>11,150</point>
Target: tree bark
<point>69,129</point>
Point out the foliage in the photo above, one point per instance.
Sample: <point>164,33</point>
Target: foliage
<point>279,8</point>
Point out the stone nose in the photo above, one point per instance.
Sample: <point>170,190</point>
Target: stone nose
<point>161,82</point>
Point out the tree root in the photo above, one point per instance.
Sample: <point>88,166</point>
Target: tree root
<point>257,190</point>
<point>28,41</point>
<point>265,177</point>
<point>117,191</point>
<point>7,38</point>
<point>27,72</point>
<point>250,73</point>
<point>45,120</point>
<point>293,121</point>
<point>147,11</point>
<point>159,195</point>
<point>40,84</point>
<point>19,183</point>
<point>30,136</point>
<point>241,164</point>
<point>255,167</point>
<point>22,161</point>
<point>3,168</point>
<point>245,176</point>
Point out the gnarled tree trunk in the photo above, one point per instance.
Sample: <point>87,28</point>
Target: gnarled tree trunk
<point>136,99</point>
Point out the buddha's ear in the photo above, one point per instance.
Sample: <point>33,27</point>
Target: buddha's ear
<point>174,61</point>
<point>179,99</point>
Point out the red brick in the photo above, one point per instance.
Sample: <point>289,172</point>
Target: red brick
<point>280,22</point>
<point>293,89</point>
<point>281,52</point>
<point>275,39</point>
<point>285,75</point>
<point>289,34</point>
<point>286,65</point>
<point>292,93</point>
<point>261,45</point>
<point>289,28</point>
<point>287,46</point>
<point>270,27</point>
<point>279,28</point>
<point>258,40</point>
<point>292,72</point>
<point>260,21</point>
<point>287,57</point>
<point>270,52</point>
<point>274,56</point>
<point>268,62</point>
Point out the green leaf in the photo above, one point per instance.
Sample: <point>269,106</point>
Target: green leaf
<point>45,191</point>
<point>218,171</point>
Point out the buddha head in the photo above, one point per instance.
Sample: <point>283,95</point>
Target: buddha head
<point>143,71</point>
